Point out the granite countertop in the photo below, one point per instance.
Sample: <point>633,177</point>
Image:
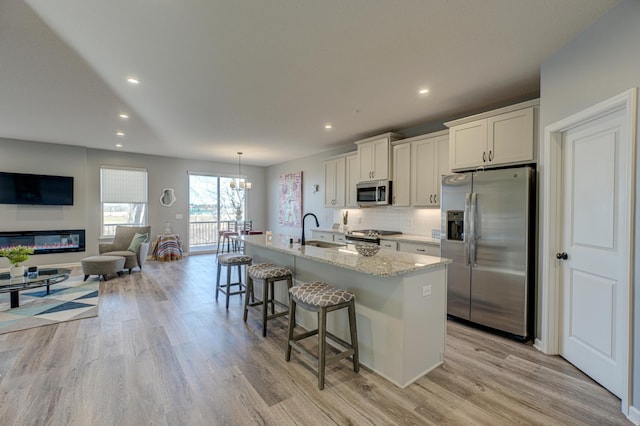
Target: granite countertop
<point>410,238</point>
<point>383,264</point>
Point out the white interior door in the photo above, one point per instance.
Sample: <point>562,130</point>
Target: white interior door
<point>595,238</point>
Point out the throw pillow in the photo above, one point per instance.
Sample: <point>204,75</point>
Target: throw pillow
<point>136,241</point>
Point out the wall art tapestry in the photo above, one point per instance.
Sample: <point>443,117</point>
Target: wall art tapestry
<point>291,199</point>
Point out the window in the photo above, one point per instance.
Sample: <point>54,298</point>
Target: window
<point>123,197</point>
<point>213,206</point>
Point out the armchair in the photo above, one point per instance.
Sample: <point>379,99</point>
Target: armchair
<point>121,241</point>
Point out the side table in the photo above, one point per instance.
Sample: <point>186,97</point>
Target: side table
<point>167,247</point>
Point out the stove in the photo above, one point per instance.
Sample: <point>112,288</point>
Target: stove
<point>369,235</point>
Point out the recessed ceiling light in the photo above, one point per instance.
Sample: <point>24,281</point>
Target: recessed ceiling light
<point>118,145</point>
<point>121,134</point>
<point>423,91</point>
<point>123,116</point>
<point>328,126</point>
<point>133,80</point>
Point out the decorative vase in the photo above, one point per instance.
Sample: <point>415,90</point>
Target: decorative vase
<point>16,270</point>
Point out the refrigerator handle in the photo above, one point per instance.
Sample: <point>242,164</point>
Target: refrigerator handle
<point>474,231</point>
<point>467,233</point>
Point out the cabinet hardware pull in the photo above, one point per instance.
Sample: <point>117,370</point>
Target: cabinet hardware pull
<point>484,157</point>
<point>562,256</point>
<point>431,198</point>
<point>420,250</point>
<point>490,156</point>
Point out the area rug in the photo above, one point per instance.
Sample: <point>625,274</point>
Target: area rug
<point>67,301</point>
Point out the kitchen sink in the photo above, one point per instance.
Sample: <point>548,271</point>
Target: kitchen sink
<point>324,244</point>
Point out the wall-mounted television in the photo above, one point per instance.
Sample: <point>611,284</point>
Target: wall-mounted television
<point>20,188</point>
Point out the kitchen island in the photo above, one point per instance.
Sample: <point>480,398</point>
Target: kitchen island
<point>400,301</point>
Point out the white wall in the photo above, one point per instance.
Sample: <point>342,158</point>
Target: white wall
<point>41,158</point>
<point>84,165</point>
<point>600,63</point>
<point>166,172</point>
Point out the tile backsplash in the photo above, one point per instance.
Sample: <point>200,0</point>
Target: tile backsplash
<point>406,220</point>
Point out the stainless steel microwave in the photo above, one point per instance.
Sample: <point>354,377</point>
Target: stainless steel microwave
<point>374,193</point>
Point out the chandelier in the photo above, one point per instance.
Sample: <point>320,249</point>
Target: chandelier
<point>240,183</point>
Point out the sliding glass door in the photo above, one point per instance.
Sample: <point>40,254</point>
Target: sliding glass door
<point>214,206</point>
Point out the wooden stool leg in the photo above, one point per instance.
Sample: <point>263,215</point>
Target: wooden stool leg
<point>292,325</point>
<point>265,305</point>
<point>354,336</point>
<point>218,282</point>
<point>229,271</point>
<point>273,296</point>
<point>248,293</point>
<point>322,341</point>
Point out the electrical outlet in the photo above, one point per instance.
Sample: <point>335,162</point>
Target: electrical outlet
<point>426,290</point>
<point>179,216</point>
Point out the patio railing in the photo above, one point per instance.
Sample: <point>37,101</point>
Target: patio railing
<point>206,233</point>
<point>201,233</point>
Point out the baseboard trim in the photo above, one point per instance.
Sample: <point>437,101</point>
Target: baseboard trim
<point>537,343</point>
<point>634,416</point>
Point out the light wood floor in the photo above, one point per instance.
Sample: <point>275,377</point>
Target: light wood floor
<point>163,352</point>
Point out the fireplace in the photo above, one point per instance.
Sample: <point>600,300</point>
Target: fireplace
<point>45,241</point>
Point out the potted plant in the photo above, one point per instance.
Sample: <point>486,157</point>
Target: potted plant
<point>345,220</point>
<point>16,255</point>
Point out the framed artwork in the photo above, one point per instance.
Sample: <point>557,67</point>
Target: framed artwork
<point>291,199</point>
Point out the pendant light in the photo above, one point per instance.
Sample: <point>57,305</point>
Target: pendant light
<point>241,184</point>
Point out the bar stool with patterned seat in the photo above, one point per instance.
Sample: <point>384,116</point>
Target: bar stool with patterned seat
<point>230,260</point>
<point>269,274</point>
<point>322,298</point>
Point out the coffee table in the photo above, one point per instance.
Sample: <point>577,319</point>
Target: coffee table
<point>44,277</point>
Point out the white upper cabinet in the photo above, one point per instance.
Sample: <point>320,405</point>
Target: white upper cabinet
<point>429,160</point>
<point>502,137</point>
<point>511,136</point>
<point>334,182</point>
<point>375,156</point>
<point>401,189</point>
<point>352,178</point>
<point>468,145</point>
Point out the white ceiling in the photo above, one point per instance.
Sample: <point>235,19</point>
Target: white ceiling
<point>263,77</point>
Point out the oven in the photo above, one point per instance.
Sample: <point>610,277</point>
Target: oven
<point>371,236</point>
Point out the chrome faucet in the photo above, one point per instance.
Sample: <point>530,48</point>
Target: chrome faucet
<point>303,218</point>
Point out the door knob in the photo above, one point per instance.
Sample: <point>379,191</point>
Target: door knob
<point>562,256</point>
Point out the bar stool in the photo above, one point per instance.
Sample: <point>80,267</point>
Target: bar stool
<point>270,274</point>
<point>230,260</point>
<point>225,236</point>
<point>322,298</point>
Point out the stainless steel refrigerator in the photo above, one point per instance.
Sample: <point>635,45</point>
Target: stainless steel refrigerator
<point>488,225</point>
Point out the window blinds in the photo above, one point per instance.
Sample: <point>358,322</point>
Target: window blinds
<point>123,185</point>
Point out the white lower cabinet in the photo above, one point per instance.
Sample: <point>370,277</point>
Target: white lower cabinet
<point>388,245</point>
<point>322,235</point>
<point>419,248</point>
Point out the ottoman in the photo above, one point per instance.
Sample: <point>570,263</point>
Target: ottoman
<point>102,265</point>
